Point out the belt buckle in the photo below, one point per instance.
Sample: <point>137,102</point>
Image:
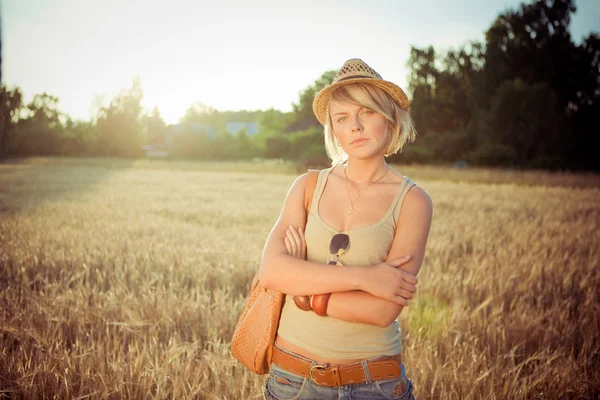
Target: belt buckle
<point>313,367</point>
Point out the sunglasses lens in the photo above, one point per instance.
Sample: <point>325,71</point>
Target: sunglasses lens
<point>339,243</point>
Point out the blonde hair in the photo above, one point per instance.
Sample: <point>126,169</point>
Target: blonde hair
<point>401,128</point>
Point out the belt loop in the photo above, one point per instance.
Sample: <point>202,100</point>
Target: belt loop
<point>365,368</point>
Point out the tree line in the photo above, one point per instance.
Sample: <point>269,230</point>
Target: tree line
<point>525,97</point>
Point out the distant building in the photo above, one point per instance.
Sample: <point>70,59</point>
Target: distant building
<point>252,128</point>
<point>194,129</point>
<point>160,149</point>
<point>156,150</point>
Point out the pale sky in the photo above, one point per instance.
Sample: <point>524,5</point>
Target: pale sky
<point>227,54</point>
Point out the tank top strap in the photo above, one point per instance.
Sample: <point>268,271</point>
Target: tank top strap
<point>320,186</point>
<point>405,186</point>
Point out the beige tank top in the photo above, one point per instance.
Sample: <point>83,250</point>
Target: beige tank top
<point>330,337</point>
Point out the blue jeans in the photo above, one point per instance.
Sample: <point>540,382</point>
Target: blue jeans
<point>284,385</point>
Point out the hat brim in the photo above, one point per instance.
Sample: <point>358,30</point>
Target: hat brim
<point>321,100</point>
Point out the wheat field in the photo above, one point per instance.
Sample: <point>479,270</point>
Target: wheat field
<point>124,279</point>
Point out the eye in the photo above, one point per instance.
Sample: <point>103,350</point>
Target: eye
<point>368,112</point>
<point>342,119</point>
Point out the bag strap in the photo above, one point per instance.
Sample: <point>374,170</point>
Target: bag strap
<point>309,191</point>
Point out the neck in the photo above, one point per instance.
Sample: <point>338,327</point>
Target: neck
<point>363,171</point>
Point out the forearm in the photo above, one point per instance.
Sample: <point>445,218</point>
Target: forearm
<point>359,306</point>
<point>294,276</point>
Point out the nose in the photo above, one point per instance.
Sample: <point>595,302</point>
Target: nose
<point>356,125</point>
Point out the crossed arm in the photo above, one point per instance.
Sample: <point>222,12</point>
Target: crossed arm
<point>373,295</point>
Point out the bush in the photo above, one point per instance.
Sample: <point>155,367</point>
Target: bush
<point>277,147</point>
<point>548,163</point>
<point>493,154</point>
<point>188,145</point>
<point>452,146</point>
<point>414,154</point>
<point>314,157</point>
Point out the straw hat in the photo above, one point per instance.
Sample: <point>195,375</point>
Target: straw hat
<point>356,70</point>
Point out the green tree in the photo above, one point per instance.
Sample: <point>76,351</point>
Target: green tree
<point>524,117</point>
<point>442,86</point>
<point>222,146</point>
<point>200,113</point>
<point>421,83</point>
<point>243,147</point>
<point>473,101</point>
<point>154,127</point>
<point>120,125</point>
<point>10,107</point>
<point>40,132</point>
<point>79,138</point>
<point>273,121</point>
<point>581,145</point>
<point>442,105</point>
<point>303,116</point>
<point>533,44</point>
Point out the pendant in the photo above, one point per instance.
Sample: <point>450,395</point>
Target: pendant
<point>350,210</point>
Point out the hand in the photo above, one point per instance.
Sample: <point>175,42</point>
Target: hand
<point>389,282</point>
<point>295,242</point>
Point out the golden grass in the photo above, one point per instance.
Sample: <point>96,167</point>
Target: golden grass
<point>125,279</point>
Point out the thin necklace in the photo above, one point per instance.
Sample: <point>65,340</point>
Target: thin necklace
<point>360,191</point>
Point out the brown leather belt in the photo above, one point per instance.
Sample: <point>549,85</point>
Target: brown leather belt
<point>337,375</point>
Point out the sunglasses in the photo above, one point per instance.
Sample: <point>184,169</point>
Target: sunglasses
<point>339,244</point>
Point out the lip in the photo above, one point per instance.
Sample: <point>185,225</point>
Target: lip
<point>360,140</point>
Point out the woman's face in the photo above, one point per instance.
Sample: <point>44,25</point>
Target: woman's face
<point>361,131</point>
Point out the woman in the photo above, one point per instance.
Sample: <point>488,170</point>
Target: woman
<point>356,254</point>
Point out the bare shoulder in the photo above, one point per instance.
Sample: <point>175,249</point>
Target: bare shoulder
<point>418,202</point>
<point>412,228</point>
<point>418,195</point>
<point>298,187</point>
<point>414,222</point>
<point>293,212</point>
<point>301,179</point>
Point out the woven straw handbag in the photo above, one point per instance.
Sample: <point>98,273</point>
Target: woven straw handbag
<point>254,336</point>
